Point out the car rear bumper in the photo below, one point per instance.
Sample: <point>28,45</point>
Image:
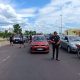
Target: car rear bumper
<point>16,41</point>
<point>36,49</point>
<point>47,51</point>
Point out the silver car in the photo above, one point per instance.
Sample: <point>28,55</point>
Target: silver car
<point>70,43</point>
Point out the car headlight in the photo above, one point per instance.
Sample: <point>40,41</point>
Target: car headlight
<point>74,45</point>
<point>47,45</point>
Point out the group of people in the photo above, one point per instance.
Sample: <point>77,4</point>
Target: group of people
<point>21,42</point>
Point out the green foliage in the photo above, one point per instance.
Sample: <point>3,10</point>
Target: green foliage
<point>5,34</point>
<point>30,32</point>
<point>17,29</point>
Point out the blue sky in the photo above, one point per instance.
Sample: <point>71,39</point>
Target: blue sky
<point>30,3</point>
<point>40,15</point>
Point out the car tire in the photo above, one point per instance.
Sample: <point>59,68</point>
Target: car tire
<point>78,53</point>
<point>68,49</point>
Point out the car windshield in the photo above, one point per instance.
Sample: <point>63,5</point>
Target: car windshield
<point>16,36</point>
<point>39,38</point>
<point>74,38</point>
<point>47,37</point>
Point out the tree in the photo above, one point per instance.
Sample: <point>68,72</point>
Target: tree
<point>1,34</point>
<point>30,32</point>
<point>5,35</point>
<point>26,32</point>
<point>17,29</point>
<point>34,32</point>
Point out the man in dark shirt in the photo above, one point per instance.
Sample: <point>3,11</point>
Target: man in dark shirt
<point>55,40</point>
<point>21,41</point>
<point>11,40</point>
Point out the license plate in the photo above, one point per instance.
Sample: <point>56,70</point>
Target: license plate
<point>16,41</point>
<point>40,49</point>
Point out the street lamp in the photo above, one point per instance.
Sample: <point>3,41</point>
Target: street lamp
<point>61,24</point>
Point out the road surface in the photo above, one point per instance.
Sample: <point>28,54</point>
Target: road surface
<point>18,64</point>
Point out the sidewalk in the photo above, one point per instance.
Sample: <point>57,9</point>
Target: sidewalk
<point>3,42</point>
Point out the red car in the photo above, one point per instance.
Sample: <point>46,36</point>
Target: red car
<point>39,44</point>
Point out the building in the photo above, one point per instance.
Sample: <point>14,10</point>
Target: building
<point>72,32</point>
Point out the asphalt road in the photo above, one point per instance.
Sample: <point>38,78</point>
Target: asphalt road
<point>19,64</point>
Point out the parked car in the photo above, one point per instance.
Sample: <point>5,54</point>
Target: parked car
<point>70,43</point>
<point>39,44</point>
<point>16,39</point>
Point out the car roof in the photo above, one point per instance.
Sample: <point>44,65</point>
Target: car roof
<point>38,36</point>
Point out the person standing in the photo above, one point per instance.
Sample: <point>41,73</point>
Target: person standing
<point>11,40</point>
<point>55,40</point>
<point>30,38</point>
<point>21,40</point>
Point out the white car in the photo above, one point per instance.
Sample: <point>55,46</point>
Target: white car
<point>70,43</point>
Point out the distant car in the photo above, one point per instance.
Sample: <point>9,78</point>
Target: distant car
<point>39,44</point>
<point>25,39</point>
<point>70,43</point>
<point>48,37</point>
<point>17,39</point>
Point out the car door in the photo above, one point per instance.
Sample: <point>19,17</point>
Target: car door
<point>63,42</point>
<point>66,42</point>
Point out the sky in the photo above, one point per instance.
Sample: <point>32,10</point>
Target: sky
<point>40,15</point>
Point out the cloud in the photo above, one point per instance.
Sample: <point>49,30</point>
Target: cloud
<point>8,16</point>
<point>28,12</point>
<point>7,13</point>
<point>49,16</point>
<point>45,19</point>
<point>5,1</point>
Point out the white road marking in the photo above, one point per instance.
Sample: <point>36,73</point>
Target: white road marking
<point>5,59</point>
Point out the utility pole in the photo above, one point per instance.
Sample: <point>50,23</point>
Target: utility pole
<point>61,23</point>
